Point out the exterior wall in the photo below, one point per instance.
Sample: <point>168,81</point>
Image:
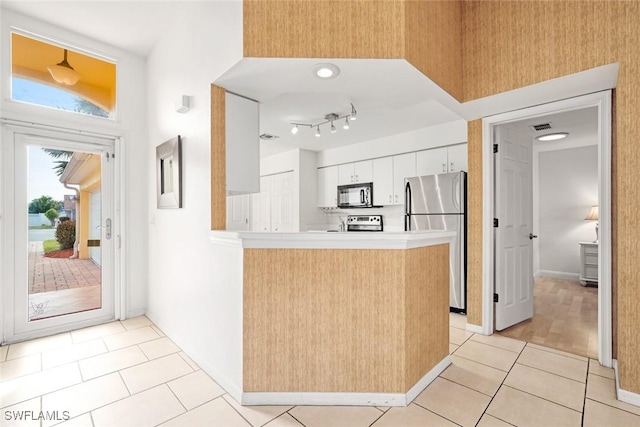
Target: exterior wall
<point>507,45</point>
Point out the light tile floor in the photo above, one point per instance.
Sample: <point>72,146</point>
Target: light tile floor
<point>130,374</point>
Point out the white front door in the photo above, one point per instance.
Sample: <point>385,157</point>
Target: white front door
<point>513,235</point>
<point>95,225</point>
<point>53,294</point>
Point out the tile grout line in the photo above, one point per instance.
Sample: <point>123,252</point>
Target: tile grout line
<point>234,409</point>
<point>292,416</point>
<point>434,412</point>
<point>544,398</point>
<point>501,384</point>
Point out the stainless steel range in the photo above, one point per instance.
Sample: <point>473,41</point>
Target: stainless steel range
<point>364,223</point>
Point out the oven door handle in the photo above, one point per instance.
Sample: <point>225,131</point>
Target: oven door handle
<point>362,196</point>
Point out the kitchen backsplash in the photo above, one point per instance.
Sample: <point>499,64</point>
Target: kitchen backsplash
<point>393,217</point>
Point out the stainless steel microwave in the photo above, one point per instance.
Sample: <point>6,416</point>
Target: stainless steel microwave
<point>355,195</point>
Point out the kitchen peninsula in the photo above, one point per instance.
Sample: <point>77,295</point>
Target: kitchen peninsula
<point>340,318</point>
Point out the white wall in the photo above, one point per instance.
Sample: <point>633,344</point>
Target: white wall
<point>567,185</point>
<point>190,292</point>
<point>130,125</point>
<point>421,139</point>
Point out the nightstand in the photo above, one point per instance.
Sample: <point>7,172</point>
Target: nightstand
<point>588,263</point>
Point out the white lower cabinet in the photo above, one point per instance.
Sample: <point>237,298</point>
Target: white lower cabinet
<point>272,208</point>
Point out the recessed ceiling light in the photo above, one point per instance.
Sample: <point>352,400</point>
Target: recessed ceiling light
<point>552,136</point>
<point>326,71</point>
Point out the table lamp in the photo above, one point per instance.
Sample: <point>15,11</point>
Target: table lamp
<point>593,216</point>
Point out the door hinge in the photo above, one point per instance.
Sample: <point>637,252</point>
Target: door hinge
<point>495,148</point>
<point>496,298</point>
<point>496,222</point>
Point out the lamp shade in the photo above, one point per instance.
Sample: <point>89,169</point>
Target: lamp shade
<point>64,73</point>
<point>593,214</point>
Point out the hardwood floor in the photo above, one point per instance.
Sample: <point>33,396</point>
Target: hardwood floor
<point>565,318</point>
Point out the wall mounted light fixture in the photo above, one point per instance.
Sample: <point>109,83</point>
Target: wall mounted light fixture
<point>328,118</point>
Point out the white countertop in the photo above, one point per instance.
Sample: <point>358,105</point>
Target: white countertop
<point>332,240</point>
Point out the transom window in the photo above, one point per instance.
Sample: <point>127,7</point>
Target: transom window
<point>52,76</point>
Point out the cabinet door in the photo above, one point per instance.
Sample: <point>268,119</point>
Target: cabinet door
<point>242,130</point>
<point>345,174</point>
<point>262,208</point>
<point>457,157</point>
<point>363,171</point>
<point>238,212</point>
<point>283,220</point>
<point>383,181</point>
<point>328,187</point>
<point>404,166</point>
<point>431,162</point>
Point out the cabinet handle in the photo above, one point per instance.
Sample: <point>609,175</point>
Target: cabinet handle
<point>452,168</point>
<point>396,198</point>
<point>356,178</point>
<point>444,167</point>
<point>390,198</point>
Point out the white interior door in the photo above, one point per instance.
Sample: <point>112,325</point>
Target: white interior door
<point>45,297</point>
<point>514,211</point>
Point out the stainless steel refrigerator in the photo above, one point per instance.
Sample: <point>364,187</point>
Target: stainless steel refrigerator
<point>439,202</point>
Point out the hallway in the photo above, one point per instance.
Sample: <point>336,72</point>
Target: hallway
<point>130,374</point>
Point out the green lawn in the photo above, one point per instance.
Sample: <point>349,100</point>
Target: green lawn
<point>50,245</point>
<point>40,227</point>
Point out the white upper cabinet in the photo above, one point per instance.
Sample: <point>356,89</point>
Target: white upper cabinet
<point>345,174</point>
<point>404,166</point>
<point>442,160</point>
<point>457,156</point>
<point>242,127</point>
<point>383,181</point>
<point>328,187</point>
<point>353,173</point>
<point>431,162</point>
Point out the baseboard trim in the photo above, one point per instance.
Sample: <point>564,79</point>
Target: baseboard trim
<point>559,275</point>
<point>475,329</point>
<point>222,380</point>
<point>624,395</point>
<point>346,399</point>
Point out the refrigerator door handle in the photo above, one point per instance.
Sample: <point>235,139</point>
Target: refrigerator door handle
<point>407,207</point>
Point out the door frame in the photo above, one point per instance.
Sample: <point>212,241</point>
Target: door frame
<point>601,100</point>
<point>7,131</point>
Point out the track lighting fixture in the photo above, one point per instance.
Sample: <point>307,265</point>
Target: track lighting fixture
<point>330,118</point>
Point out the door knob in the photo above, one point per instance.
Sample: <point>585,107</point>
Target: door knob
<point>532,236</point>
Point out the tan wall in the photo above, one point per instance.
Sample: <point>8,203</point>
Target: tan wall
<point>218,160</point>
<point>343,320</point>
<point>423,32</point>
<point>505,45</point>
<point>513,44</point>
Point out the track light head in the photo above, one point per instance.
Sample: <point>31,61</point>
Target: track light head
<point>318,131</point>
<point>346,123</point>
<point>294,129</point>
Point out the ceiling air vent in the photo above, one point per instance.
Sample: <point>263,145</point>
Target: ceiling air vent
<point>541,126</point>
<point>268,137</point>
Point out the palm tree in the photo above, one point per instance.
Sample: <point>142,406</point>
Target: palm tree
<point>60,165</point>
